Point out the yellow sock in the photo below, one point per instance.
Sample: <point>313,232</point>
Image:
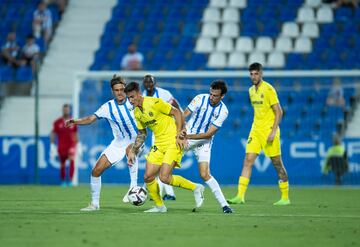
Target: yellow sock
<point>242,187</point>
<point>284,189</point>
<point>179,181</point>
<point>154,191</point>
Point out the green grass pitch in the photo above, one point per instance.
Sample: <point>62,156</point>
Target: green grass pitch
<point>49,216</point>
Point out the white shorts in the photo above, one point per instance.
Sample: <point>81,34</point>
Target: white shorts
<point>201,149</point>
<point>116,151</point>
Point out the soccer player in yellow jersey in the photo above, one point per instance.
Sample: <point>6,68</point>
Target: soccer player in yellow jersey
<point>264,135</point>
<point>167,124</point>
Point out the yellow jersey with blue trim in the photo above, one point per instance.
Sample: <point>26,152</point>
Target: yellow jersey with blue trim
<point>155,116</point>
<point>262,99</point>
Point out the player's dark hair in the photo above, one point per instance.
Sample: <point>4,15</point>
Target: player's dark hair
<point>219,84</point>
<point>150,78</point>
<point>117,80</point>
<point>255,66</point>
<point>132,86</point>
<point>66,105</point>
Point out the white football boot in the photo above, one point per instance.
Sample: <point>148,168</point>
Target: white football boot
<point>91,207</point>
<point>157,209</point>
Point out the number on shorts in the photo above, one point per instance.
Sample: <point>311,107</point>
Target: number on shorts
<point>154,148</point>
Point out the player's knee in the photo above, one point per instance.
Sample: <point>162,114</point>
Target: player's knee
<point>205,175</point>
<point>248,162</point>
<point>148,178</point>
<point>166,179</point>
<point>96,172</point>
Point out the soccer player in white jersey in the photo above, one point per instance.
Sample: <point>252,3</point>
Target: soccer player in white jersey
<point>207,113</point>
<point>118,112</point>
<point>152,91</point>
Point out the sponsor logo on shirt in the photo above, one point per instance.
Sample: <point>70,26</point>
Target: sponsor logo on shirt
<point>150,122</point>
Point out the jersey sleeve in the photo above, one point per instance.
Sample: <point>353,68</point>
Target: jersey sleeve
<point>218,122</point>
<point>167,96</point>
<point>101,112</point>
<point>273,98</point>
<point>162,106</point>
<point>195,104</point>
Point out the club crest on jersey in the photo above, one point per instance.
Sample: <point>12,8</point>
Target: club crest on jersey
<point>262,96</point>
<point>151,114</point>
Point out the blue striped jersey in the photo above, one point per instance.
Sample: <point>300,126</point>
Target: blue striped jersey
<point>203,114</point>
<point>120,117</point>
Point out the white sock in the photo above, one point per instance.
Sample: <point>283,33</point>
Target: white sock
<point>169,190</point>
<point>215,189</point>
<point>133,170</point>
<point>161,186</point>
<point>95,183</point>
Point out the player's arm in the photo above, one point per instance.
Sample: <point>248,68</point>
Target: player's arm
<point>208,134</point>
<point>52,137</point>
<point>180,124</point>
<point>53,148</point>
<point>175,103</point>
<point>139,141</point>
<point>278,115</point>
<point>81,121</point>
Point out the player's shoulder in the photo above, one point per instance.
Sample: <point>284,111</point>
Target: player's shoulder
<point>268,86</point>
<point>107,102</point>
<point>152,101</point>
<point>252,89</point>
<point>164,94</point>
<point>201,96</point>
<point>224,107</point>
<point>162,90</point>
<point>149,99</point>
<point>58,120</point>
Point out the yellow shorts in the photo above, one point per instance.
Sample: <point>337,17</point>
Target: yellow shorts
<point>257,141</point>
<point>165,154</point>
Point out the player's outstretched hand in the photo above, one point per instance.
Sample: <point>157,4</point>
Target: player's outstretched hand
<point>69,123</point>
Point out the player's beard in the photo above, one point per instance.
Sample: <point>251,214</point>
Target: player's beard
<point>256,83</point>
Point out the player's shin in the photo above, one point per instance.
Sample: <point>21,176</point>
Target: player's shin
<point>133,170</point>
<point>215,189</point>
<point>284,189</point>
<point>95,190</point>
<point>154,192</point>
<point>161,186</point>
<point>242,187</point>
<point>182,182</point>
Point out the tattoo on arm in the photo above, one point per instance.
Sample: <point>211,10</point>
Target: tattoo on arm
<point>139,141</point>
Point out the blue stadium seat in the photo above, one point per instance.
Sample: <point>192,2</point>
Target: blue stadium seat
<point>7,73</point>
<point>24,73</point>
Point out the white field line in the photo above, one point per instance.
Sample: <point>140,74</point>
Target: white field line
<point>199,213</point>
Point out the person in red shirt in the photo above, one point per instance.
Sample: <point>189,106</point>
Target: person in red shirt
<point>67,138</point>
